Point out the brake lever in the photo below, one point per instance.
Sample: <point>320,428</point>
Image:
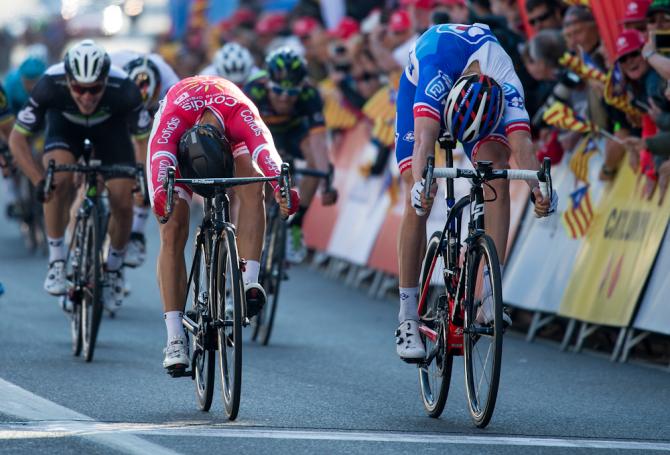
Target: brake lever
<point>428,176</point>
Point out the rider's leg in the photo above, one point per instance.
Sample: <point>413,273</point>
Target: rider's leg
<point>56,214</point>
<point>411,247</point>
<point>137,245</point>
<point>497,212</point>
<point>251,218</point>
<point>120,221</point>
<point>171,265</point>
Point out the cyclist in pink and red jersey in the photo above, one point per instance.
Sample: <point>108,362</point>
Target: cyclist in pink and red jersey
<point>208,117</point>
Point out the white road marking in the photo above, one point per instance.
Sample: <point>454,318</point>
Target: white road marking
<point>65,422</point>
<point>88,428</point>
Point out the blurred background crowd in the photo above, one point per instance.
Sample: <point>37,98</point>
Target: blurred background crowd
<point>356,50</point>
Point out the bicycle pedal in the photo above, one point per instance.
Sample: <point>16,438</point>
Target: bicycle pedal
<point>179,372</point>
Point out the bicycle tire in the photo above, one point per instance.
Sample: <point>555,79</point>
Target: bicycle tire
<point>482,403</point>
<point>435,377</point>
<point>91,302</point>
<point>273,279</point>
<point>204,356</point>
<point>229,339</point>
<point>72,275</point>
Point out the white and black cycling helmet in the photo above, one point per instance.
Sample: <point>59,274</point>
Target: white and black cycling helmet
<point>146,75</point>
<point>86,62</point>
<point>234,62</point>
<point>474,107</point>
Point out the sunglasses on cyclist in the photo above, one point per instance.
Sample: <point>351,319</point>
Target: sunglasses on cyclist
<point>279,90</point>
<point>541,18</point>
<point>92,89</point>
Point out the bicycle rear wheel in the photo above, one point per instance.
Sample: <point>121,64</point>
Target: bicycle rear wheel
<point>272,278</point>
<point>229,299</point>
<point>483,343</point>
<point>202,347</point>
<point>91,302</point>
<point>72,274</point>
<point>435,375</point>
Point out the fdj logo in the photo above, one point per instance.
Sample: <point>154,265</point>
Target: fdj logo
<point>477,211</point>
<point>512,96</point>
<point>439,86</point>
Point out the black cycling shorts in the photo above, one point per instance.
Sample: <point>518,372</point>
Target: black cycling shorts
<point>111,138</point>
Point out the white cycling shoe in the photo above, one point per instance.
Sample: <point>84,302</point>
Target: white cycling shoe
<point>409,345</point>
<point>112,291</point>
<point>137,250</point>
<point>176,353</point>
<point>485,311</point>
<point>56,283</point>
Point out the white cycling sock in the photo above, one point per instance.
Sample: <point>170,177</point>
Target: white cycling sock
<point>250,274</point>
<point>173,324</point>
<point>56,249</point>
<point>140,216</point>
<point>409,304</point>
<point>115,258</point>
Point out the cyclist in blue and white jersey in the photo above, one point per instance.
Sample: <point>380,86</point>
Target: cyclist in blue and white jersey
<point>458,78</point>
<point>154,77</point>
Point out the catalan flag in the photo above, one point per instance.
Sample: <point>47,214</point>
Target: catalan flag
<point>579,163</point>
<point>337,114</point>
<point>380,108</point>
<point>582,66</point>
<point>563,117</point>
<point>578,216</point>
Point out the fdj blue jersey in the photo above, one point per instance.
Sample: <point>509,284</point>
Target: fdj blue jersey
<point>437,60</point>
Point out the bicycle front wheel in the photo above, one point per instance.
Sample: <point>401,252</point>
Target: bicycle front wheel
<point>272,278</point>
<point>483,335</point>
<point>91,302</point>
<point>202,346</point>
<point>229,298</point>
<point>434,374</point>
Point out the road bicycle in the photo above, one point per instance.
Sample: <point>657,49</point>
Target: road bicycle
<point>26,210</point>
<point>273,261</point>
<point>217,313</point>
<point>84,260</point>
<point>460,278</point>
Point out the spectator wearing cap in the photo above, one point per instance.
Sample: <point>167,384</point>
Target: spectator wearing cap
<point>544,14</point>
<point>390,43</point>
<point>457,10</point>
<point>635,15</point>
<point>272,32</point>
<point>581,34</point>
<point>658,15</point>
<point>314,40</point>
<point>642,81</point>
<point>420,13</point>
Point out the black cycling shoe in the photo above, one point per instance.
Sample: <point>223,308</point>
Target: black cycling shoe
<point>255,297</point>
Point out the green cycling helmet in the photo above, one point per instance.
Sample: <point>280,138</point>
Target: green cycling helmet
<point>286,67</point>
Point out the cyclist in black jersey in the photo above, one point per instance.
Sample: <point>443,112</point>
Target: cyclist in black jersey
<point>293,110</point>
<point>83,98</point>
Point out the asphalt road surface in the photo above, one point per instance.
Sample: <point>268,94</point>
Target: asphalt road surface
<point>329,383</point>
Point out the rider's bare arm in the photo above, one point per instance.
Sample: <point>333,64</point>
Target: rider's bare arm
<point>426,132</point>
<point>21,151</point>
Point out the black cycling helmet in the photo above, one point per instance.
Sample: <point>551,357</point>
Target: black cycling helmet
<point>146,75</point>
<point>285,67</point>
<point>204,153</point>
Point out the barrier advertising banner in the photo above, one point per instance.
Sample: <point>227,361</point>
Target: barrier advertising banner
<point>654,312</point>
<point>544,253</point>
<point>617,253</point>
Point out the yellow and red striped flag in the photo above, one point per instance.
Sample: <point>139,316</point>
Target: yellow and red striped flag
<point>579,163</point>
<point>563,117</point>
<point>582,68</point>
<point>586,3</point>
<point>578,216</point>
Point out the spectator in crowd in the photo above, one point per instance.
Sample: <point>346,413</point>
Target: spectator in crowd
<point>390,43</point>
<point>457,10</point>
<point>544,14</point>
<point>635,16</point>
<point>510,11</point>
<point>314,41</point>
<point>581,34</point>
<point>658,15</point>
<point>420,12</point>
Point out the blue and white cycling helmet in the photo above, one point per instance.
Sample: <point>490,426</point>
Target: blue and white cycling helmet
<point>474,107</point>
